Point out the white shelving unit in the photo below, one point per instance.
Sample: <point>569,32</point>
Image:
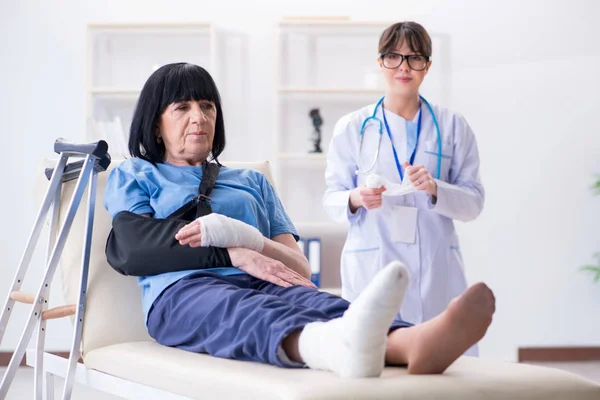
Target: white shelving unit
<point>329,65</point>
<point>120,58</point>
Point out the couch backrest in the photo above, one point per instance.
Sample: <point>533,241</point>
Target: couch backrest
<point>113,312</point>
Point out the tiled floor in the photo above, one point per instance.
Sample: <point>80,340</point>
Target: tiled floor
<point>22,387</point>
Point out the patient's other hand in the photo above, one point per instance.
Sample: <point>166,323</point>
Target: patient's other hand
<point>265,268</point>
<point>190,234</point>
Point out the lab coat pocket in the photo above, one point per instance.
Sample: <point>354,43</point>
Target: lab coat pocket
<point>454,249</point>
<point>456,270</point>
<point>429,150</point>
<point>455,256</point>
<point>359,266</point>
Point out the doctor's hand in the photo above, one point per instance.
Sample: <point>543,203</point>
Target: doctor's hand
<point>363,196</point>
<point>420,178</point>
<point>266,268</point>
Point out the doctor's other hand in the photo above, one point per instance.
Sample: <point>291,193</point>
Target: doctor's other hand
<point>266,268</point>
<point>368,198</point>
<point>421,178</point>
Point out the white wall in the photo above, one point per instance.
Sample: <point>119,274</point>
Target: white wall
<point>524,73</point>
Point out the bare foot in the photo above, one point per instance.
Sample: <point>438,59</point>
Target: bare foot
<point>431,347</point>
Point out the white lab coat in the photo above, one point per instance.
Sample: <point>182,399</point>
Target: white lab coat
<point>434,260</point>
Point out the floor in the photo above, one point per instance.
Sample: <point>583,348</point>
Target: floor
<point>22,386</point>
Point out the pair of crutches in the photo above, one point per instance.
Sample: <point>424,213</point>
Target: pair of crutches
<point>95,159</point>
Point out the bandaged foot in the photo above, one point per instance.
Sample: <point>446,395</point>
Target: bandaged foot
<point>221,231</point>
<point>354,345</point>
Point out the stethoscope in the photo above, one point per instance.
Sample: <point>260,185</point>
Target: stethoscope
<point>380,131</point>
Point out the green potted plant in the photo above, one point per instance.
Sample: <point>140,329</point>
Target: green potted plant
<point>595,269</point>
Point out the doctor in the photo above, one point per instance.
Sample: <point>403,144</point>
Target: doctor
<point>440,164</point>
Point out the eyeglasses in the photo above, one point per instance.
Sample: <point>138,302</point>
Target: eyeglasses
<point>394,60</point>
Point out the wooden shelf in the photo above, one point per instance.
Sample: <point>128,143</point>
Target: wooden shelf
<point>145,29</point>
<point>324,28</point>
<point>302,156</point>
<point>317,90</point>
<point>115,91</point>
<point>337,23</point>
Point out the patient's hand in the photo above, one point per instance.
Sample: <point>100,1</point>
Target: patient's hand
<point>265,268</point>
<point>220,231</point>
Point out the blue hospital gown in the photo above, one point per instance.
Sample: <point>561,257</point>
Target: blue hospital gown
<point>142,188</point>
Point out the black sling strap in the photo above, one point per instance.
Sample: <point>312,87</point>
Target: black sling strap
<point>199,206</point>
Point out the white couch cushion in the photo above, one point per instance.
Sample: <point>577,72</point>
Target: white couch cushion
<point>204,377</point>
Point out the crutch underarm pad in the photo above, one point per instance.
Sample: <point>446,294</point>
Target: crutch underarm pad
<point>143,246</point>
<point>98,149</point>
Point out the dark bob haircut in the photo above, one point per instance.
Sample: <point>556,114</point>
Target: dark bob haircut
<point>415,36</point>
<point>169,84</point>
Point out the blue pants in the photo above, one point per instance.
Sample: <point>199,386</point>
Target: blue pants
<point>238,317</point>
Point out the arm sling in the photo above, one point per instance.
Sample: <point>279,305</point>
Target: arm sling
<point>141,246</point>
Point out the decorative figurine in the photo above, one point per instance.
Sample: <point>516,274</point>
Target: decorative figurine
<point>317,121</point>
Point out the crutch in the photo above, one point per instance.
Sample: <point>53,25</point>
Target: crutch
<point>96,159</point>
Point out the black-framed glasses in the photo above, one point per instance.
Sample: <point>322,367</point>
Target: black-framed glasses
<point>415,62</point>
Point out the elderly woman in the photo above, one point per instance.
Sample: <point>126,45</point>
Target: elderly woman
<point>244,291</point>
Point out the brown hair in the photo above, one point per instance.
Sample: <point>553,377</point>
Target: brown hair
<point>415,36</point>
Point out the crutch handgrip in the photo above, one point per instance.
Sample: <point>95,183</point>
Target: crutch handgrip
<point>22,297</point>
<point>53,313</point>
<point>59,312</point>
